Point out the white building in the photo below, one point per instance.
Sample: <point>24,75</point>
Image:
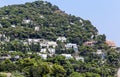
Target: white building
<point>44,56</point>
<point>29,53</point>
<point>47,44</point>
<point>99,52</point>
<point>43,50</point>
<point>118,73</point>
<point>79,58</point>
<point>41,16</point>
<point>25,43</point>
<point>37,28</point>
<point>5,17</point>
<point>5,56</point>
<point>62,39</point>
<point>11,51</point>
<point>52,44</point>
<point>17,57</point>
<point>44,45</point>
<point>71,45</point>
<point>67,56</point>
<point>90,43</point>
<point>26,21</point>
<point>33,41</point>
<point>81,21</point>
<point>51,50</point>
<point>13,26</point>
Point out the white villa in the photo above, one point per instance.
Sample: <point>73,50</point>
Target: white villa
<point>79,58</point>
<point>67,56</point>
<point>37,28</point>
<point>13,26</point>
<point>5,56</point>
<point>48,44</point>
<point>44,56</point>
<point>26,21</point>
<point>30,41</point>
<point>52,44</point>
<point>43,50</point>
<point>29,53</point>
<point>89,43</point>
<point>81,21</point>
<point>50,50</point>
<point>99,52</point>
<point>41,16</point>
<point>71,45</point>
<point>62,39</point>
<point>17,57</point>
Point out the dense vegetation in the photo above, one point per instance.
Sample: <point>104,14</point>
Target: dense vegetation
<point>52,23</point>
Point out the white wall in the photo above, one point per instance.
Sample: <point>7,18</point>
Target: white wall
<point>118,73</point>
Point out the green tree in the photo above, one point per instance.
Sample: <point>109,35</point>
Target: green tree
<point>58,71</point>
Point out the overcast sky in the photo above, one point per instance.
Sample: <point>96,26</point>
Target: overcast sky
<point>104,14</point>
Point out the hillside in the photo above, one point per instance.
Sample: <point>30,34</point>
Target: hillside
<point>40,37</point>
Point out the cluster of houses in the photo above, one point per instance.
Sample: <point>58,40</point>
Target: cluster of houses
<point>45,45</point>
<point>48,48</point>
<point>4,56</point>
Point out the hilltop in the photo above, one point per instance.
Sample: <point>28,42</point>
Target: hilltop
<point>49,18</point>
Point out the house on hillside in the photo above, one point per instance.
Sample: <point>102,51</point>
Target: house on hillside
<point>79,58</point>
<point>26,21</point>
<point>44,45</point>
<point>25,43</point>
<point>48,50</point>
<point>81,21</point>
<point>5,56</point>
<point>52,44</point>
<point>110,43</point>
<point>43,50</point>
<point>17,56</point>
<point>67,56</point>
<point>5,17</point>
<point>41,16</point>
<point>89,43</point>
<point>12,51</point>
<point>71,45</point>
<point>35,41</point>
<point>44,56</point>
<point>62,39</point>
<point>37,28</point>
<point>101,54</point>
<point>47,44</point>
<point>51,50</point>
<point>13,26</point>
<point>29,53</point>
